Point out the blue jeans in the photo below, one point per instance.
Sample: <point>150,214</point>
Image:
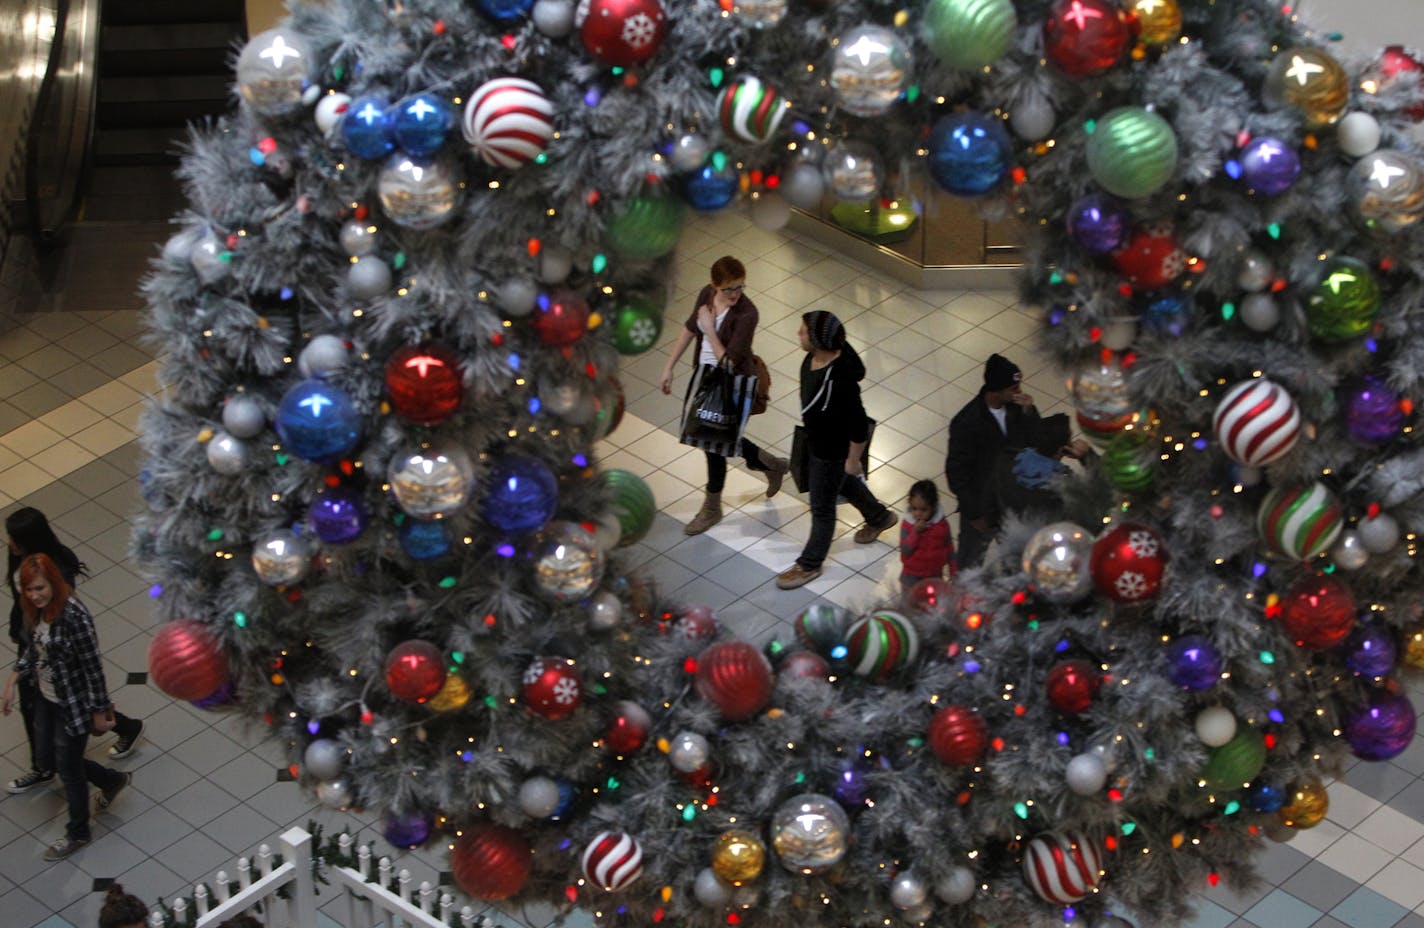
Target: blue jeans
<point>829,481</point>
<point>58,750</point>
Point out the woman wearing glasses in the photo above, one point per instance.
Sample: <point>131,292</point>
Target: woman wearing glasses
<point>723,323</point>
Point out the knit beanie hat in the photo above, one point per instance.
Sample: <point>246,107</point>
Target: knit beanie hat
<point>1001,373</point>
<point>824,330</point>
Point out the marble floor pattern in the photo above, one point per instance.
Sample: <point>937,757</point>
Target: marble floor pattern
<point>206,789</point>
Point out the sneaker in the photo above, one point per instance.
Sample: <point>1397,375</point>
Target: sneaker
<point>29,781</point>
<point>64,847</point>
<point>871,530</point>
<point>125,746</point>
<point>797,576</point>
<point>107,796</point>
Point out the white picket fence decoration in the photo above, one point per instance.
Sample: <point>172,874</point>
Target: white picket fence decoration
<point>386,900</point>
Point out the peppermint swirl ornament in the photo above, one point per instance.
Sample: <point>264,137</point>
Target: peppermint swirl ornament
<point>881,644</point>
<point>751,111</point>
<point>508,122</point>
<point>1300,522</point>
<point>612,860</point>
<point>1062,867</point>
<point>1257,422</point>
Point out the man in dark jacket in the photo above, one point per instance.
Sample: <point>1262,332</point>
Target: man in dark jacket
<point>837,431</point>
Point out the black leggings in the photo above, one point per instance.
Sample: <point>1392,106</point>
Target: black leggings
<point>717,465</point>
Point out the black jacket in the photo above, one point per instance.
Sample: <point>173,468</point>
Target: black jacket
<point>831,408</point>
<point>975,446</point>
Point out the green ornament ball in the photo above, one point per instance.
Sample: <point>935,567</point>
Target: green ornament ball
<point>647,228</point>
<point>970,34</point>
<point>1237,762</point>
<point>637,325</point>
<point>1132,152</point>
<point>632,504</point>
<point>1344,303</point>
<point>1128,461</point>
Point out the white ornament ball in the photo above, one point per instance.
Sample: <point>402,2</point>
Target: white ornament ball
<point>1033,118</point>
<point>322,355</point>
<point>358,238</point>
<point>508,121</point>
<point>710,891</point>
<point>330,111</point>
<point>538,797</point>
<point>803,186</point>
<point>769,210</point>
<point>1380,534</point>
<point>1349,552</point>
<point>1260,312</point>
<point>957,886</point>
<point>1119,332</point>
<point>605,611</point>
<point>324,759</point>
<point>553,18</point>
<point>226,454</point>
<point>1086,774</point>
<point>334,794</point>
<point>1358,134</point>
<point>1215,726</point>
<point>1255,271</point>
<point>1257,422</point>
<point>368,278</point>
<point>242,416</point>
<point>689,752</point>
<point>689,152</point>
<point>908,891</point>
<point>517,297</point>
<point>555,263</point>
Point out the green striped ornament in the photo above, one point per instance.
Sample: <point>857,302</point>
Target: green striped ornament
<point>1300,522</point>
<point>1132,152</point>
<point>970,34</point>
<point>881,644</point>
<point>750,110</point>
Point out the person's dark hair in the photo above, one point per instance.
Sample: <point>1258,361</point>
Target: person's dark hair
<point>927,491</point>
<point>727,268</point>
<point>122,910</point>
<point>30,530</point>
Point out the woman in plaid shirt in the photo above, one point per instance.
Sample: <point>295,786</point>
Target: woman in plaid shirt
<point>61,659</point>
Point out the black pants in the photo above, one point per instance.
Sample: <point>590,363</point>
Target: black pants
<point>56,749</point>
<point>717,465</point>
<point>829,482</point>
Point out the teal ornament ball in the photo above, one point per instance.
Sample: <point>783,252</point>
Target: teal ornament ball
<point>637,325</point>
<point>1132,152</point>
<point>822,628</point>
<point>967,35</point>
<point>646,228</point>
<point>882,644</point>
<point>1344,303</point>
<point>632,504</point>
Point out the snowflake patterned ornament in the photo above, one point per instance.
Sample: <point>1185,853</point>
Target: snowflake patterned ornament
<point>621,33</point>
<point>552,688</point>
<point>1128,563</point>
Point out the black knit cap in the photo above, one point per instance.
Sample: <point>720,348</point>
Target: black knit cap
<point>824,330</point>
<point>1000,373</point>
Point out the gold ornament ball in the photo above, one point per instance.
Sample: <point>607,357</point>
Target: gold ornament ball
<point>453,695</point>
<point>1159,21</point>
<point>738,857</point>
<point>1311,81</point>
<point>1414,648</point>
<point>1307,806</point>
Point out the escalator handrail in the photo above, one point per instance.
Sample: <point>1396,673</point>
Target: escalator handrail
<point>32,141</point>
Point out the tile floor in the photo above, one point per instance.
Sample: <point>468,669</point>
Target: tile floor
<point>206,789</point>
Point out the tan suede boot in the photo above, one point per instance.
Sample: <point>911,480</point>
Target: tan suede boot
<point>709,515</point>
<point>776,469</point>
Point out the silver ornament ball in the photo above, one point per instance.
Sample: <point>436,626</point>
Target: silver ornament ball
<point>1388,190</point>
<point>1349,552</point>
<point>1033,118</point>
<point>324,759</point>
<point>553,18</point>
<point>334,794</point>
<point>853,170</point>
<point>810,833</point>
<point>760,13</point>
<point>1260,312</point>
<point>368,278</point>
<point>803,185</point>
<point>179,247</point>
<point>605,611</point>
<point>273,71</point>
<point>357,237</point>
<point>555,263</point>
<point>538,797</point>
<point>226,455</point>
<point>1086,774</point>
<point>281,559</point>
<point>908,891</point>
<point>568,563</point>
<point>769,210</point>
<point>242,416</point>
<point>689,752</point>
<point>517,297</point>
<point>869,66</point>
<point>209,257</point>
<point>710,891</point>
<point>957,886</point>
<point>432,482</point>
<point>1358,134</point>
<point>1380,534</point>
<point>1215,726</point>
<point>419,194</point>
<point>322,355</point>
<point>689,152</point>
<point>1055,560</point>
<point>1255,271</point>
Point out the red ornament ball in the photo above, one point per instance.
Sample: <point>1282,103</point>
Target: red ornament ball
<point>1128,563</point>
<point>621,33</point>
<point>553,688</point>
<point>1072,685</point>
<point>1398,61</point>
<point>958,736</point>
<point>628,728</point>
<point>425,383</point>
<point>1318,612</point>
<point>187,661</point>
<point>735,677</point>
<point>561,318</point>
<point>1085,37</point>
<point>696,623</point>
<point>491,862</point>
<point>805,665</point>
<point>1151,258</point>
<point>415,670</point>
<point>930,596</point>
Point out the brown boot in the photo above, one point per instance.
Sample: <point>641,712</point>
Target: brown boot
<point>709,515</point>
<point>776,469</point>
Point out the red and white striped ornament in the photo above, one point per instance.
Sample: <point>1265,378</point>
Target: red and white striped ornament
<point>750,110</point>
<point>881,644</point>
<point>1300,522</point>
<point>508,121</point>
<point>1062,867</point>
<point>1257,422</point>
<point>612,860</point>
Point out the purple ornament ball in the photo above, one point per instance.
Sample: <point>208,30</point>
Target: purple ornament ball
<point>1370,650</point>
<point>1382,728</point>
<point>1269,166</point>
<point>1373,412</point>
<point>337,516</point>
<point>1097,223</point>
<point>850,788</point>
<point>1193,663</point>
<point>219,698</point>
<point>407,831</point>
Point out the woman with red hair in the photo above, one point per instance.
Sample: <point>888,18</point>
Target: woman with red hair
<point>61,660</point>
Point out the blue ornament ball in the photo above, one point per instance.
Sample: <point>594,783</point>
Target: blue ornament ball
<point>337,516</point>
<point>851,788</point>
<point>503,11</point>
<point>567,795</point>
<point>366,127</point>
<point>709,189</point>
<point>408,831</point>
<point>421,123</point>
<point>424,539</point>
<point>1097,223</point>
<point>1167,313</point>
<point>523,494</point>
<point>1370,650</point>
<point>1269,166</point>
<point>969,153</point>
<point>317,421</point>
<point>1265,797</point>
<point>1193,663</point>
